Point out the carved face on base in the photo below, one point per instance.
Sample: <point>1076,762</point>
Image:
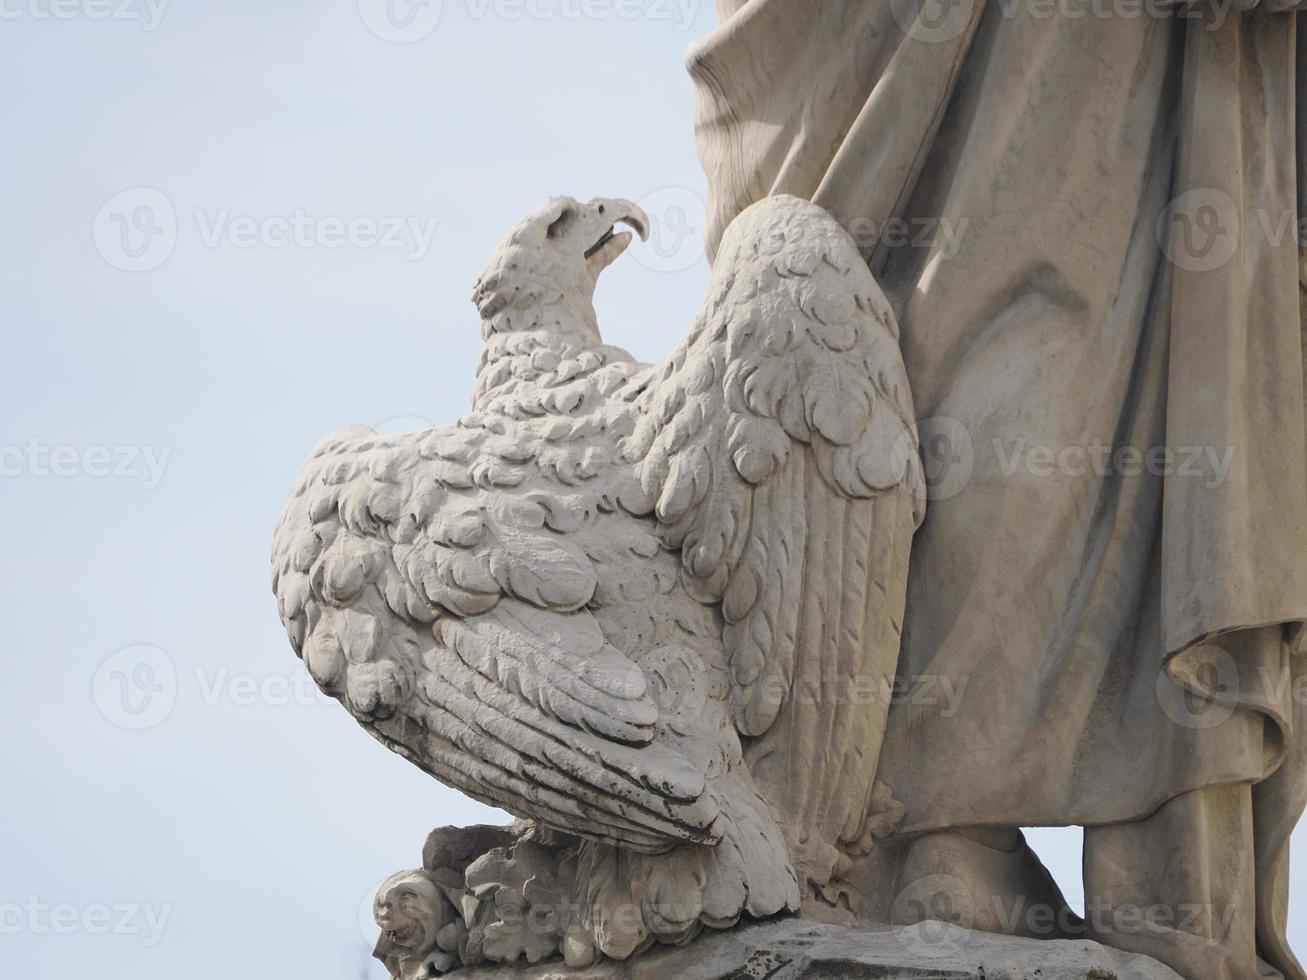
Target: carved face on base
<point>411,911</point>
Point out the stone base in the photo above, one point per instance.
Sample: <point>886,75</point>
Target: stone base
<point>793,949</point>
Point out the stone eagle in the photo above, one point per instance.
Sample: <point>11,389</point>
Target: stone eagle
<point>634,605</point>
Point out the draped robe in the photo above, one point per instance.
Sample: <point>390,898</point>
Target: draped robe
<point>1088,229</point>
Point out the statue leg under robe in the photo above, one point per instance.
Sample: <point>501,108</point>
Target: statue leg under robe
<point>1202,884</point>
<point>983,878</point>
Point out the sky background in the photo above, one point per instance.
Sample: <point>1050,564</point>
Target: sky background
<point>229,228</point>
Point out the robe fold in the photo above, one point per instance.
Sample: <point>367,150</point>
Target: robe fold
<point>1089,229</point>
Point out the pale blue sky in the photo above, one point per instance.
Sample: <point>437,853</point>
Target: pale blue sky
<point>153,420</point>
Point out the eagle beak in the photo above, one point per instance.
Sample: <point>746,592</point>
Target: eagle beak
<point>613,243</point>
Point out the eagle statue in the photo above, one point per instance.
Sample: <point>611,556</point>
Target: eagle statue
<point>653,611</point>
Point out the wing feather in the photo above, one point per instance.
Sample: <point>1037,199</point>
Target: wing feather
<point>789,388</point>
<point>450,617</point>
<point>777,448</point>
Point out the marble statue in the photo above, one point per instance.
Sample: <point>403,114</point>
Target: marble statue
<point>579,601</point>
<point>1102,270</point>
<point>1037,265</point>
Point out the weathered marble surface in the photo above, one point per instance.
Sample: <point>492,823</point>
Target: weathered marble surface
<point>651,610</point>
<point>794,950</point>
<point>674,617</point>
<point>1069,214</point>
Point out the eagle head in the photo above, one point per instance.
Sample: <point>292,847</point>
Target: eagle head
<point>548,265</point>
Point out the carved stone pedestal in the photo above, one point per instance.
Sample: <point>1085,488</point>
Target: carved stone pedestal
<point>793,949</point>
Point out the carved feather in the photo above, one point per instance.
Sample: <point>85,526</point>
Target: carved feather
<point>573,602</point>
<point>777,450</point>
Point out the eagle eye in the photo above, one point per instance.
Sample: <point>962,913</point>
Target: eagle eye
<point>559,225</point>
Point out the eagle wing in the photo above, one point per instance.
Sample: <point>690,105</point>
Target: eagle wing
<point>437,595</point>
<point>777,449</point>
